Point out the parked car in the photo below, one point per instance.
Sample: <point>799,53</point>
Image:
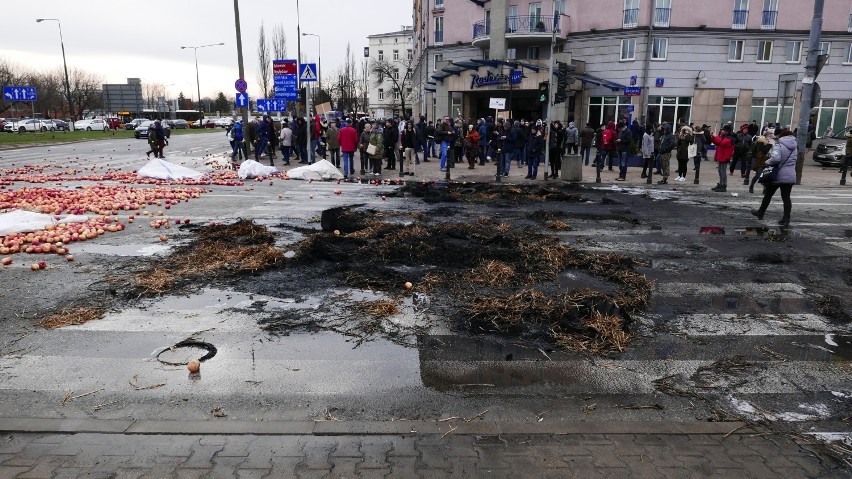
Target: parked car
<point>25,125</point>
<point>180,124</point>
<point>134,123</point>
<point>223,122</point>
<point>114,123</point>
<point>49,124</point>
<point>204,123</point>
<point>3,122</point>
<point>94,124</point>
<point>141,131</point>
<point>831,151</point>
<point>61,125</point>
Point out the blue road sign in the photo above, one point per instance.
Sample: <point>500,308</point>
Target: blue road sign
<point>661,82</point>
<point>308,72</point>
<point>271,104</point>
<point>632,91</point>
<point>631,108</point>
<point>240,85</point>
<point>242,100</point>
<point>19,93</point>
<point>517,76</point>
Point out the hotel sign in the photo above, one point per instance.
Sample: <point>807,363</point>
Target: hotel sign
<point>491,78</point>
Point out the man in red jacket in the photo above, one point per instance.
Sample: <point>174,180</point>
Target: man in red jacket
<point>724,153</point>
<point>348,138</point>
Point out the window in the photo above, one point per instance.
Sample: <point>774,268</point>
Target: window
<point>511,53</point>
<point>396,55</point>
<point>660,49</point>
<point>381,77</point>
<point>439,57</point>
<point>767,110</point>
<point>764,51</point>
<point>847,59</point>
<point>770,15</point>
<point>825,49</point>
<point>663,13</point>
<point>631,14</point>
<point>740,15</point>
<point>560,7</point>
<point>735,50</point>
<point>395,94</point>
<point>535,14</point>
<point>609,108</point>
<point>381,93</point>
<point>439,29</point>
<point>628,49</point>
<point>669,109</point>
<point>830,113</point>
<point>381,55</point>
<point>396,73</point>
<point>794,52</point>
<point>439,3</point>
<point>729,110</point>
<point>409,54</point>
<point>532,53</point>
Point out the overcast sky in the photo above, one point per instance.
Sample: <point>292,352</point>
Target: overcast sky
<point>142,38</point>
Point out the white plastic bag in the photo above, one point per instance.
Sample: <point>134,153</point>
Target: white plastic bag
<point>163,170</point>
<point>321,170</point>
<point>20,221</point>
<point>253,169</point>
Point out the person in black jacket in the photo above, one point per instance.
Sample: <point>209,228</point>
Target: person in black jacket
<point>430,141</point>
<point>535,145</point>
<point>625,140</point>
<point>390,136</point>
<point>556,143</point>
<point>422,143</point>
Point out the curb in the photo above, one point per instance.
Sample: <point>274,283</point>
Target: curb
<point>357,428</point>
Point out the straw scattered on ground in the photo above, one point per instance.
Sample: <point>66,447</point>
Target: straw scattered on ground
<point>71,317</point>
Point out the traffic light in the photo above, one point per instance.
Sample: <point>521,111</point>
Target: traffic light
<point>302,92</point>
<point>564,80</point>
<point>544,92</point>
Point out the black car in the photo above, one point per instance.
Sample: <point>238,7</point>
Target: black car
<point>180,124</point>
<point>61,125</point>
<point>141,131</point>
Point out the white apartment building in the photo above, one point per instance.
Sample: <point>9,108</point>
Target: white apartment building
<point>385,97</point>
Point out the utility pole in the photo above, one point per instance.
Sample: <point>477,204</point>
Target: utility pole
<point>550,91</point>
<point>808,86</point>
<point>240,63</point>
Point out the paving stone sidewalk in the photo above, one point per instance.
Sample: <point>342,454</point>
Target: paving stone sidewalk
<point>29,455</point>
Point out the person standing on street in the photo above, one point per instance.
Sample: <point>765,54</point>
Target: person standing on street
<point>471,146</point>
<point>444,135</point>
<point>430,141</point>
<point>160,134</point>
<point>409,144</point>
<point>347,138</point>
<point>724,153</point>
<point>608,145</point>
<point>760,153</point>
<point>572,138</point>
<point>236,136</point>
<point>667,144</point>
<point>376,135</point>
<point>784,154</point>
<point>684,139</point>
<point>363,143</point>
<point>556,143</point>
<point>587,137</point>
<point>647,151</point>
<point>625,140</point>
<point>535,145</point>
<point>285,138</point>
<point>390,135</point>
<point>264,129</point>
<point>333,141</point>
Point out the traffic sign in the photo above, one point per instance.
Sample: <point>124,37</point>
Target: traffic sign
<point>19,93</point>
<point>308,72</point>
<point>285,79</point>
<point>271,104</point>
<point>632,91</point>
<point>284,67</point>
<point>241,85</point>
<point>242,100</point>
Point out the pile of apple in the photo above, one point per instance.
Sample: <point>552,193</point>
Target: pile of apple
<point>98,199</point>
<point>54,239</point>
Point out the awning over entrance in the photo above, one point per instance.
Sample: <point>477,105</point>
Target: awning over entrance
<point>586,78</point>
<point>456,68</point>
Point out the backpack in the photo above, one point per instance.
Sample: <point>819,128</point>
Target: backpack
<point>743,143</point>
<point>608,140</point>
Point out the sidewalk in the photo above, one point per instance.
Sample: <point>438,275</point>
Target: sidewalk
<point>468,450</point>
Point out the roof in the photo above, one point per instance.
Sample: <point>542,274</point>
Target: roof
<point>400,33</point>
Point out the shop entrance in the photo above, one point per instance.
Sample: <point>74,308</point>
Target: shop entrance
<point>524,104</point>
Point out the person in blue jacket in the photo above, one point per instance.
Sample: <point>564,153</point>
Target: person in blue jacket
<point>264,129</point>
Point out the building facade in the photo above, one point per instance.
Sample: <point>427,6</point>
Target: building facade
<point>389,90</point>
<point>682,60</point>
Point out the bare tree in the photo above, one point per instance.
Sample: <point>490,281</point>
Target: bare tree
<point>399,74</point>
<point>151,92</point>
<point>264,73</point>
<point>279,42</point>
<point>363,86</point>
<point>86,92</point>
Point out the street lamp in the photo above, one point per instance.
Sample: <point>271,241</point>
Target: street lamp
<point>197,81</point>
<point>319,57</point>
<point>64,64</point>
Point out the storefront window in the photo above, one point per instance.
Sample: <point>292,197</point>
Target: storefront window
<point>767,110</point>
<point>608,108</point>
<point>729,110</point>
<point>831,113</point>
<point>674,110</point>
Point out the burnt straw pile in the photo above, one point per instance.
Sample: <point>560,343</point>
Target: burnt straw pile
<point>486,193</point>
<point>218,250</point>
<point>487,276</point>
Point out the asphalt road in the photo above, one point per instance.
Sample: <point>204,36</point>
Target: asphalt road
<point>734,330</point>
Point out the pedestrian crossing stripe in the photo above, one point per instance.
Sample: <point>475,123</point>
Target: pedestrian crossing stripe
<point>308,73</point>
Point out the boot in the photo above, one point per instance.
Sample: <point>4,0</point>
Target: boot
<point>720,189</point>
<point>757,213</point>
<point>664,181</point>
<point>785,221</point>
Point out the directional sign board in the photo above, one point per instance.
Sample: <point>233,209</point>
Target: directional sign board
<point>19,93</point>
<point>242,100</point>
<point>240,85</point>
<point>271,104</point>
<point>285,78</point>
<point>308,72</point>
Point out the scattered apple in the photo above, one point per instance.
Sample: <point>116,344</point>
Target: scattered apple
<point>70,257</point>
<point>163,237</point>
<point>6,261</point>
<point>408,286</point>
<point>194,366</point>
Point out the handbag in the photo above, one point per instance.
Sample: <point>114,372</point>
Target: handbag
<point>769,174</point>
<point>371,149</point>
<point>692,150</point>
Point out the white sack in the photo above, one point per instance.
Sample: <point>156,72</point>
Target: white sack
<point>253,169</point>
<point>321,170</point>
<point>20,221</point>
<point>163,170</point>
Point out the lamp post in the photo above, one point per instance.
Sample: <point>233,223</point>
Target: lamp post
<point>319,57</point>
<point>197,80</point>
<point>65,65</point>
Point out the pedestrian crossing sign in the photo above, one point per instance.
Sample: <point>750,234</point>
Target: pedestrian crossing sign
<point>308,72</point>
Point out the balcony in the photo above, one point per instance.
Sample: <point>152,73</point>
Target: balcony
<point>631,18</point>
<point>521,29</point>
<point>769,20</point>
<point>662,17</point>
<point>740,20</point>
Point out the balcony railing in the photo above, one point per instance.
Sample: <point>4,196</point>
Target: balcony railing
<point>518,25</point>
<point>740,20</point>
<point>481,28</point>
<point>662,17</point>
<point>631,18</point>
<point>770,17</point>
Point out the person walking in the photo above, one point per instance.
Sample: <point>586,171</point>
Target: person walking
<point>152,140</point>
<point>236,135</point>
<point>608,145</point>
<point>363,143</point>
<point>587,137</point>
<point>263,132</point>
<point>285,140</point>
<point>724,153</point>
<point>471,146</point>
<point>784,154</point>
<point>625,140</point>
<point>444,135</point>
<point>667,144</point>
<point>647,151</point>
<point>760,153</point>
<point>409,147</point>
<point>348,143</point>
<point>742,151</point>
<point>333,141</point>
<point>160,135</point>
<point>390,135</point>
<point>684,139</point>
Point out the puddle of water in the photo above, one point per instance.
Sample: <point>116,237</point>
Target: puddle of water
<point>121,250</point>
<point>580,279</point>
